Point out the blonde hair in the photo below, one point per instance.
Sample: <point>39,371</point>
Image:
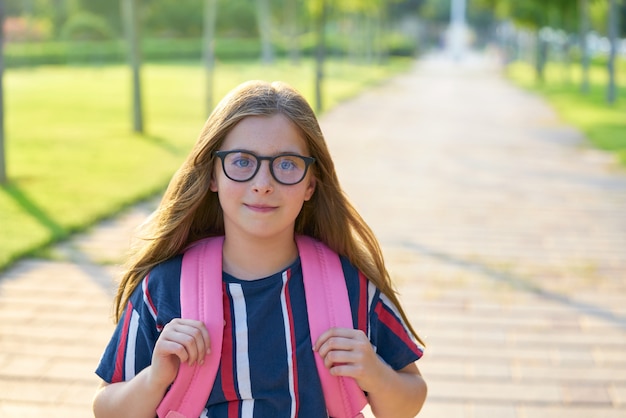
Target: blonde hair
<point>189,211</point>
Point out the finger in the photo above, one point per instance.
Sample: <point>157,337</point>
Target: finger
<point>201,336</point>
<point>337,344</point>
<point>331,333</point>
<point>189,337</point>
<point>185,338</point>
<point>167,348</point>
<point>337,357</point>
<point>346,369</point>
<point>203,339</point>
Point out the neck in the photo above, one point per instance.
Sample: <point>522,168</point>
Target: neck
<point>250,259</point>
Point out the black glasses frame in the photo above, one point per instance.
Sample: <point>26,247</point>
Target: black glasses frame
<point>223,154</point>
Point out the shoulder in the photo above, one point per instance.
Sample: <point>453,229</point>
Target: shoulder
<point>354,278</point>
<point>160,291</point>
<point>165,276</point>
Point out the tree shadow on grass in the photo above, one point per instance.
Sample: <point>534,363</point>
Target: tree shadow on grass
<point>35,211</point>
<point>164,144</point>
<point>520,283</point>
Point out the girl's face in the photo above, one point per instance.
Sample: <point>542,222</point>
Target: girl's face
<point>262,207</point>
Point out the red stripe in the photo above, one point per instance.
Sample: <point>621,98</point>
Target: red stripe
<point>228,369</point>
<point>293,343</point>
<point>362,309</point>
<point>233,409</point>
<point>391,322</point>
<point>118,373</point>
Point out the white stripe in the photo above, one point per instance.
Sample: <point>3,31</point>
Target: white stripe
<point>205,413</point>
<point>283,303</point>
<point>247,408</point>
<point>371,291</point>
<point>242,358</point>
<point>144,287</point>
<point>131,341</point>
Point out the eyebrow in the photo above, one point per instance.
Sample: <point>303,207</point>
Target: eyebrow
<point>260,155</point>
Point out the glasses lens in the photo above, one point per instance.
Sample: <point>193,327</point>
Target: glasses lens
<point>240,166</point>
<point>289,169</point>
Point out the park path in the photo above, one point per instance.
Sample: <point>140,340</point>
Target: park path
<point>505,231</point>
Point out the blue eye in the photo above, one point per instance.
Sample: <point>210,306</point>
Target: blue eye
<point>289,163</point>
<point>242,162</point>
<point>286,165</point>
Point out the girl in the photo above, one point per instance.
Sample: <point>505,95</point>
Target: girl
<point>259,173</point>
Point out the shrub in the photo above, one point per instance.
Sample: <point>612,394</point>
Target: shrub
<point>86,26</point>
<point>21,29</point>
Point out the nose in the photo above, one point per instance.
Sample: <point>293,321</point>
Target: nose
<point>263,181</point>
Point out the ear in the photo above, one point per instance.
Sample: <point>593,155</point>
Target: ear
<point>213,184</point>
<point>310,189</point>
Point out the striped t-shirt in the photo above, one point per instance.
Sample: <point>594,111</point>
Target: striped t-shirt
<point>267,368</point>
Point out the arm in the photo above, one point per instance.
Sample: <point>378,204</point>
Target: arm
<point>401,394</point>
<point>181,340</point>
<point>138,397</point>
<point>391,393</point>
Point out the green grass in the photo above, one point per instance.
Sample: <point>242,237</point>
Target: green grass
<point>71,156</point>
<point>603,124</point>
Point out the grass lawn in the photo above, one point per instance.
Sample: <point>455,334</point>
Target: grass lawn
<point>603,124</point>
<point>72,158</point>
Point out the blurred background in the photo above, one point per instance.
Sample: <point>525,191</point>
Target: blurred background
<point>509,200</point>
<point>98,86</point>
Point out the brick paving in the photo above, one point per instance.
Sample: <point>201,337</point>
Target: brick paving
<point>505,231</point>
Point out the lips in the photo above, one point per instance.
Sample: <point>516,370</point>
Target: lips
<point>259,207</point>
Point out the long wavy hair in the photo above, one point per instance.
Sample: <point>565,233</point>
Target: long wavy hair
<point>189,211</point>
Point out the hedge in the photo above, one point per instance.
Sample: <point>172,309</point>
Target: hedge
<point>157,50</point>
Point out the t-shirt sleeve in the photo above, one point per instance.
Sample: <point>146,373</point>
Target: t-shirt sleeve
<point>377,316</point>
<point>152,305</point>
<point>130,349</point>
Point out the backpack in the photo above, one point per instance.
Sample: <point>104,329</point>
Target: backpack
<point>201,299</point>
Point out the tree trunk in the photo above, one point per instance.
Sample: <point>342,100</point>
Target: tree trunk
<point>3,169</point>
<point>542,57</point>
<point>59,16</point>
<point>320,57</point>
<point>210,14</point>
<point>611,93</point>
<point>131,24</point>
<point>384,27</point>
<point>584,45</point>
<point>265,27</point>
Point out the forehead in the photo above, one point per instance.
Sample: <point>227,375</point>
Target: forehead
<point>266,135</point>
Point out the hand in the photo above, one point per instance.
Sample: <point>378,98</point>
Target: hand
<point>182,340</point>
<point>348,352</point>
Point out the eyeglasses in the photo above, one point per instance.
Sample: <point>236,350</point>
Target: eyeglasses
<point>241,166</point>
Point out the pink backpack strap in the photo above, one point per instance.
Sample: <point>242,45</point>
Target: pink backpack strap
<point>328,306</point>
<point>201,299</point>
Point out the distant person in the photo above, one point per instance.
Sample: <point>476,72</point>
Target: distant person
<point>260,174</point>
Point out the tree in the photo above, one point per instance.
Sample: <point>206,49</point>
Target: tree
<point>583,11</point>
<point>173,18</point>
<point>107,10</point>
<point>292,19</point>
<point>320,55</point>
<point>265,28</point>
<point>537,15</point>
<point>210,14</point>
<point>3,170</point>
<point>613,32</point>
<point>131,26</point>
